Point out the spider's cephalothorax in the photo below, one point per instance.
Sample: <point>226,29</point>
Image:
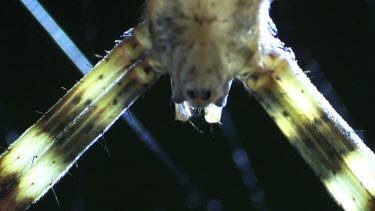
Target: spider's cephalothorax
<point>203,44</point>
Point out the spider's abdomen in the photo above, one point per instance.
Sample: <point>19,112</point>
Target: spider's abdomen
<point>201,44</point>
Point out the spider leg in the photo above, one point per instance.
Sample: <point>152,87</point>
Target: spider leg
<point>64,151</point>
<point>37,140</point>
<point>333,150</point>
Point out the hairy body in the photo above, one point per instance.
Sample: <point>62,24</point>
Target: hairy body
<point>203,45</point>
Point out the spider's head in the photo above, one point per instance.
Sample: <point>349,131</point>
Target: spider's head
<point>200,81</point>
<point>199,74</point>
<point>195,44</point>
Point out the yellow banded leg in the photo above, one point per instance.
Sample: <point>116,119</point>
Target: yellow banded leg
<point>320,135</point>
<point>47,170</point>
<point>31,145</point>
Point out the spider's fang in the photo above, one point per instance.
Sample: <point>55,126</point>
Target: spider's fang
<point>213,113</point>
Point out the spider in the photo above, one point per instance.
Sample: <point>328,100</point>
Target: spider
<point>176,100</point>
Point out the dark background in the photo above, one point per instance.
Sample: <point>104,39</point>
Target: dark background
<point>336,37</point>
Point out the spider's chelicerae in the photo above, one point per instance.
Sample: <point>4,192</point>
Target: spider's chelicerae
<point>202,45</point>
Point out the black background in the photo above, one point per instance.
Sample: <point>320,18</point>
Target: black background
<point>337,35</point>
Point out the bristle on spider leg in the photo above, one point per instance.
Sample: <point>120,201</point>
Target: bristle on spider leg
<point>55,195</point>
<point>105,145</point>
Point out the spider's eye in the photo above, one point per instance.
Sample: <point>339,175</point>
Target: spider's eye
<point>206,94</point>
<point>191,94</point>
<point>197,94</point>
